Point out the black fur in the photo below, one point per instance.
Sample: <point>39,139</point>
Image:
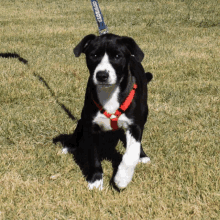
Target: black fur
<point>125,57</point>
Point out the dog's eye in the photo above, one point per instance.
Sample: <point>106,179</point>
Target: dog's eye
<point>94,55</point>
<point>117,56</point>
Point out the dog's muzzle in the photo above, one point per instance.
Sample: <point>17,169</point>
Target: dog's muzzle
<point>102,76</point>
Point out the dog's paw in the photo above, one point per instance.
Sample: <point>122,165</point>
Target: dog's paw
<point>98,184</point>
<point>144,160</point>
<point>123,176</point>
<point>65,150</point>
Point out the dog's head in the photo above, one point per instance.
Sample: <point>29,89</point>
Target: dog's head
<point>107,57</point>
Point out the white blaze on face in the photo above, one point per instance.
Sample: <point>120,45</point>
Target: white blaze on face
<point>105,65</point>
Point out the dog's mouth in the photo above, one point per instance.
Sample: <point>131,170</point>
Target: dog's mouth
<point>104,84</point>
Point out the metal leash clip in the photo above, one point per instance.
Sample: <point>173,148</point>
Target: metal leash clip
<point>104,31</point>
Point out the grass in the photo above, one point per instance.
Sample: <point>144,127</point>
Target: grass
<point>180,40</point>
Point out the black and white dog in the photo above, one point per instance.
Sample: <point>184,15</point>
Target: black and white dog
<point>115,100</point>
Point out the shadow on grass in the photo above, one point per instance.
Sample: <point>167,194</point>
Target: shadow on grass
<point>41,79</point>
<point>107,150</point>
<point>13,55</point>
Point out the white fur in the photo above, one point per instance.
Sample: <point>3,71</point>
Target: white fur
<point>104,122</point>
<point>105,65</point>
<point>65,150</point>
<point>144,160</point>
<point>129,161</point>
<point>108,98</point>
<point>98,184</point>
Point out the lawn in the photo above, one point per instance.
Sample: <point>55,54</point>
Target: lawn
<point>42,99</point>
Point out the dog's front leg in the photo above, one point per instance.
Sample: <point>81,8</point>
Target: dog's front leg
<point>95,177</point>
<point>130,158</point>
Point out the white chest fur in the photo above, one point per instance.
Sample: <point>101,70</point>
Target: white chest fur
<point>105,125</point>
<point>108,98</point>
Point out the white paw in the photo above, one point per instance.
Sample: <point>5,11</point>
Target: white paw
<point>98,184</point>
<point>123,176</point>
<point>144,160</point>
<point>65,150</point>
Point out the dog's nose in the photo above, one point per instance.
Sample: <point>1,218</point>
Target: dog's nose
<point>102,76</point>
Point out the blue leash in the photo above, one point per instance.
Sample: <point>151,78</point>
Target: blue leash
<point>103,29</point>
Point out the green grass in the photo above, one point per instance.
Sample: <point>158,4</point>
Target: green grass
<point>180,40</point>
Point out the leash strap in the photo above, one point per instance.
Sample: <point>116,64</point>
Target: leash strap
<point>103,29</point>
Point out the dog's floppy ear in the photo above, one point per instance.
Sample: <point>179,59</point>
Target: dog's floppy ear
<point>134,48</point>
<point>81,47</point>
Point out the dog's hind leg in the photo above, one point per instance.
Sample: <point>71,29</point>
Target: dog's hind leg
<point>72,143</point>
<point>143,157</point>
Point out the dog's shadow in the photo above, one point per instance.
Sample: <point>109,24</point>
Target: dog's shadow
<point>107,151</point>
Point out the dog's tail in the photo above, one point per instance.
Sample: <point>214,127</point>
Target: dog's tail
<point>149,76</point>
